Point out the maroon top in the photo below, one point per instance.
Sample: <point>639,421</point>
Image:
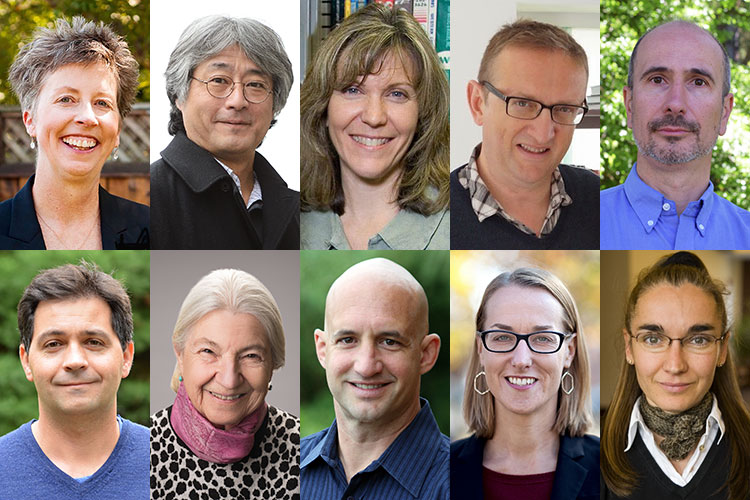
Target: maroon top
<point>499,486</point>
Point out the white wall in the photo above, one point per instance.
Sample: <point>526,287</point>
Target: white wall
<point>473,22</point>
<point>169,19</point>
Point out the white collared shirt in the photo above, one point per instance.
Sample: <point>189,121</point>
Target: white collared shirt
<point>255,195</point>
<point>714,425</point>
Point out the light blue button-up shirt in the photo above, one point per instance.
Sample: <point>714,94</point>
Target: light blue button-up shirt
<point>635,216</point>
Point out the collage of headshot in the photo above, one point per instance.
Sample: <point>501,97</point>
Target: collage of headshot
<point>542,212</point>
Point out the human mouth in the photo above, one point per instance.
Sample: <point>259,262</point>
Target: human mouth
<point>674,387</point>
<point>223,397</point>
<point>80,143</point>
<point>532,149</point>
<point>370,141</point>
<point>521,383</point>
<point>368,386</point>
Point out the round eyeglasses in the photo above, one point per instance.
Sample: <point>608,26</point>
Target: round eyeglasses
<point>544,342</point>
<point>528,109</point>
<point>221,87</point>
<point>656,342</point>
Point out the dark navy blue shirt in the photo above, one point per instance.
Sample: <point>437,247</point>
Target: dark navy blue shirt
<point>415,465</point>
<point>635,216</point>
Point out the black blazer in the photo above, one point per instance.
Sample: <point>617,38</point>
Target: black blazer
<point>196,205</point>
<point>124,223</point>
<point>576,477</point>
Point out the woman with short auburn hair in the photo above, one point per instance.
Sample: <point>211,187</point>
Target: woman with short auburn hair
<point>527,396</point>
<point>375,137</point>
<point>76,83</point>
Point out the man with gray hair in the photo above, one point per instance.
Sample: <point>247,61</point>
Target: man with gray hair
<point>227,80</point>
<point>678,102</point>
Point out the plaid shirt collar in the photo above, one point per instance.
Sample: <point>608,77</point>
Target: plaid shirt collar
<point>485,205</point>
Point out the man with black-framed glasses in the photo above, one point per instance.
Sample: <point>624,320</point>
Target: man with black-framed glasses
<point>227,81</point>
<point>529,96</point>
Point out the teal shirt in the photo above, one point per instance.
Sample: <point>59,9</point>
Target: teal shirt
<point>407,231</point>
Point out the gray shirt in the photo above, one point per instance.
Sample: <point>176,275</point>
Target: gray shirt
<point>407,231</point>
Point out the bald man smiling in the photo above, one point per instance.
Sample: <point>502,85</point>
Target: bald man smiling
<point>384,442</point>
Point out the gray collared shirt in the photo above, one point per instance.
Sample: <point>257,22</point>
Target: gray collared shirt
<point>322,230</point>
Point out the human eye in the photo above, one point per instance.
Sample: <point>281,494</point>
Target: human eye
<point>351,91</point>
<point>345,340</point>
<point>399,95</point>
<point>699,340</point>
<point>95,342</point>
<point>66,99</point>
<point>52,344</point>
<point>256,84</point>
<point>206,351</point>
<point>220,80</point>
<point>544,338</point>
<point>388,342</point>
<point>658,80</point>
<point>521,103</point>
<point>653,339</point>
<point>566,110</point>
<point>700,82</point>
<point>103,103</point>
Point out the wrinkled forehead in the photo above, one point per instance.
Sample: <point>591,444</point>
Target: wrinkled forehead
<point>230,60</point>
<point>679,46</point>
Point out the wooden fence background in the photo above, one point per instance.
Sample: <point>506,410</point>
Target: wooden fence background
<point>127,177</point>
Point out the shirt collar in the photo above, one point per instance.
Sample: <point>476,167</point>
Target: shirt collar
<point>421,434</point>
<point>255,195</point>
<point>638,424</point>
<point>485,205</point>
<point>649,204</point>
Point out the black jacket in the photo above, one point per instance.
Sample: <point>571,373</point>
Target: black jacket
<point>124,223</point>
<point>576,476</point>
<point>576,229</point>
<point>196,205</point>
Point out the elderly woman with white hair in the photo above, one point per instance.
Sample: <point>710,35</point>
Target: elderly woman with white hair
<point>220,439</point>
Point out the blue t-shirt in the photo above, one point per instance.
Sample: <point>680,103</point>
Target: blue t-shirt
<point>415,465</point>
<point>635,216</point>
<point>27,474</point>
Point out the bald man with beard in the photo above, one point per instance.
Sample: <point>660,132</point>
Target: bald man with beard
<point>384,441</point>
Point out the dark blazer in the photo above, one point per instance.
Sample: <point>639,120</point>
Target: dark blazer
<point>124,223</point>
<point>196,205</point>
<point>576,477</point>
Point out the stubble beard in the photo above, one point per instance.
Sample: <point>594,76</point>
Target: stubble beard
<point>671,154</point>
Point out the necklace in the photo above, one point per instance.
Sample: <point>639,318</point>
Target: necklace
<point>83,241</point>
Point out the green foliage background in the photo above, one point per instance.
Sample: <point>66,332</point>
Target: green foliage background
<point>19,18</point>
<point>621,25</point>
<point>18,403</point>
<point>318,270</point>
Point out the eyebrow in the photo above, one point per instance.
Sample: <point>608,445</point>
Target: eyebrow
<point>536,328</point>
<point>664,69</point>
<point>394,334</point>
<point>697,328</point>
<point>61,333</point>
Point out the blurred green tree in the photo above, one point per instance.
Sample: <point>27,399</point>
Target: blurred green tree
<point>318,270</point>
<point>18,403</point>
<point>622,23</point>
<point>19,19</point>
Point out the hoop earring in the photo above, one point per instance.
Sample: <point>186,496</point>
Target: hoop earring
<point>475,383</point>
<point>562,382</point>
<point>115,153</point>
<point>32,144</point>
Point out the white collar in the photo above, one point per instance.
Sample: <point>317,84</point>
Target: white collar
<point>255,195</point>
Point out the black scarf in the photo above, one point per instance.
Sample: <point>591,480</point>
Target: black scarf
<point>681,431</point>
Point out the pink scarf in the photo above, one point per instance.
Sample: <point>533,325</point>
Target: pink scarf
<point>208,442</point>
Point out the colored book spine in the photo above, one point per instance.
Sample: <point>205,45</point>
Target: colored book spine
<point>443,35</point>
<point>432,20</point>
<point>421,12</point>
<point>347,8</point>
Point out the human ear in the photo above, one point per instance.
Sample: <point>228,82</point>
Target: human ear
<point>628,353</point>
<point>430,348</point>
<point>627,97</point>
<point>321,343</point>
<point>475,95</point>
<point>570,351</point>
<point>28,122</point>
<point>24,355</point>
<point>724,350</point>
<point>127,356</point>
<point>726,110</point>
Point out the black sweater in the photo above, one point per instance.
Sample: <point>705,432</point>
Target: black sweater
<point>709,483</point>
<point>576,229</point>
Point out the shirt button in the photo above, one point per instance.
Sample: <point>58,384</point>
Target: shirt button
<point>650,223</point>
<point>701,227</point>
<point>702,447</point>
<point>666,207</point>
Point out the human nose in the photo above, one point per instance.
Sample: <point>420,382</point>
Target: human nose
<point>228,374</point>
<point>521,355</point>
<point>75,358</point>
<point>236,97</point>
<point>675,358</point>
<point>675,99</point>
<point>85,115</point>
<point>374,113</point>
<point>367,361</point>
<point>542,128</point>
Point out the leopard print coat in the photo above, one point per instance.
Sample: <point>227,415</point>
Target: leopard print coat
<point>271,470</point>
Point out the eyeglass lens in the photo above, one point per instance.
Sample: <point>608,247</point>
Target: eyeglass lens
<point>542,342</point>
<point>221,87</point>
<point>528,110</point>
<point>656,342</point>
